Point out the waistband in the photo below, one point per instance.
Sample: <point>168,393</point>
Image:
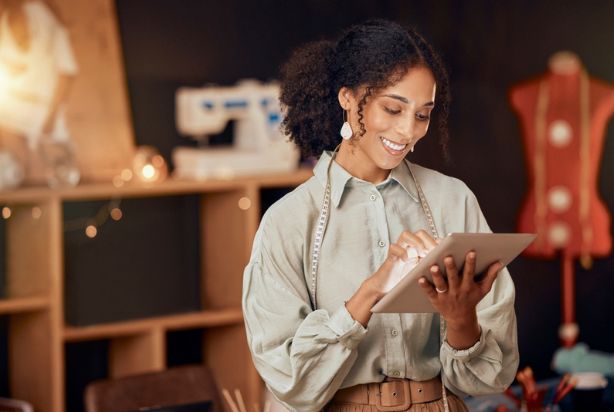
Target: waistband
<point>391,395</point>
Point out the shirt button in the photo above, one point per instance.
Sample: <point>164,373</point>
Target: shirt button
<point>396,373</point>
<point>372,197</point>
<point>394,332</point>
<point>381,243</point>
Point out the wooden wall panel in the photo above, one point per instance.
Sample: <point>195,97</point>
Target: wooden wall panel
<point>98,113</point>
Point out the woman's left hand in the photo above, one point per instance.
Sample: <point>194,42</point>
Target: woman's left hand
<point>457,297</point>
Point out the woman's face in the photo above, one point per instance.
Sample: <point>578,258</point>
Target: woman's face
<point>395,118</point>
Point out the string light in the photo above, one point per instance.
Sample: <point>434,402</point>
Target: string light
<point>126,175</point>
<point>36,212</point>
<point>92,224</point>
<point>245,203</point>
<point>91,231</point>
<point>118,181</point>
<point>116,213</point>
<point>148,165</point>
<point>148,172</point>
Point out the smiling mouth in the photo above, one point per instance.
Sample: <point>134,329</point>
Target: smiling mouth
<point>392,145</point>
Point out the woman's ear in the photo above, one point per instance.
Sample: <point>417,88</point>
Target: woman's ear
<point>345,97</point>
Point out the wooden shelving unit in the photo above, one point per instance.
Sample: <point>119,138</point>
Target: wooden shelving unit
<point>35,285</point>
<point>25,304</point>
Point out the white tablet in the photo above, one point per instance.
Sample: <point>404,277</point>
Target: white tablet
<point>408,296</point>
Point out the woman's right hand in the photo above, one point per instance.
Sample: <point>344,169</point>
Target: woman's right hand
<point>395,267</point>
<point>389,273</point>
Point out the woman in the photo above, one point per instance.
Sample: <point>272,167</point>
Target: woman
<point>326,253</point>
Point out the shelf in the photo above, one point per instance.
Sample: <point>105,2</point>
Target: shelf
<point>202,319</point>
<point>37,332</point>
<point>25,304</point>
<point>94,191</point>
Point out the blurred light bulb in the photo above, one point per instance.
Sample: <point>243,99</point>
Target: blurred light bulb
<point>245,203</point>
<point>116,213</point>
<point>148,165</point>
<point>91,231</point>
<point>126,175</point>
<point>148,172</point>
<point>36,212</point>
<point>6,212</point>
<point>118,181</point>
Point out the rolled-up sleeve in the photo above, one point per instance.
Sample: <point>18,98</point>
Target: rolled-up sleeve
<point>303,355</point>
<point>490,365</point>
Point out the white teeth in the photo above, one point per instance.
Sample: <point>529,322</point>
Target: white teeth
<point>394,146</point>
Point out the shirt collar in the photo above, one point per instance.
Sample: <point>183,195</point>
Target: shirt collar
<point>402,175</point>
<point>340,177</point>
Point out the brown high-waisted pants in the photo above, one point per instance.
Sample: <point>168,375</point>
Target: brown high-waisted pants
<point>395,395</point>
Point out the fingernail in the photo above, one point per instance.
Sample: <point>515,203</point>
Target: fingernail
<point>472,255</point>
<point>422,280</point>
<point>434,268</point>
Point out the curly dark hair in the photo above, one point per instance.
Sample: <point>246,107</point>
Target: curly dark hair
<point>374,54</point>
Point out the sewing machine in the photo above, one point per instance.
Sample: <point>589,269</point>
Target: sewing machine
<point>258,146</point>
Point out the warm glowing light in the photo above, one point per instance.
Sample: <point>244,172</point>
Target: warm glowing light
<point>245,203</point>
<point>36,212</point>
<point>91,231</point>
<point>116,213</point>
<point>6,212</point>
<point>126,175</point>
<point>4,84</point>
<point>118,181</point>
<point>158,161</point>
<point>148,165</point>
<point>148,172</point>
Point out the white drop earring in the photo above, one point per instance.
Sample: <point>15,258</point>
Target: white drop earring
<point>412,149</point>
<point>346,130</point>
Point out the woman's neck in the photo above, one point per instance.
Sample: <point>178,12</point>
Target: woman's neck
<point>357,163</point>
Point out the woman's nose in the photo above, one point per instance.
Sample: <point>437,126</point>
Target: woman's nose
<point>405,127</point>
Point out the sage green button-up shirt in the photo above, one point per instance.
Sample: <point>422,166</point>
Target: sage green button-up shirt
<point>306,355</point>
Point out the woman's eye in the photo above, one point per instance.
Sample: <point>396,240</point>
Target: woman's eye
<point>391,111</point>
<point>422,117</point>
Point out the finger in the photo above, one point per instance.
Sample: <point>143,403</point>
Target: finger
<point>491,275</point>
<point>468,270</point>
<point>440,283</point>
<point>451,272</point>
<point>427,239</point>
<point>396,252</point>
<point>408,239</point>
<point>427,287</point>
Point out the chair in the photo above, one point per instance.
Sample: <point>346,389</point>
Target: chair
<point>14,405</point>
<point>184,385</point>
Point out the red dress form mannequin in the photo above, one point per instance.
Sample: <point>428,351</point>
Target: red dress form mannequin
<point>563,115</point>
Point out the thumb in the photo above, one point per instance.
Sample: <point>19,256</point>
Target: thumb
<point>491,275</point>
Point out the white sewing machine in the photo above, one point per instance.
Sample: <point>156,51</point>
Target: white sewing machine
<point>259,146</point>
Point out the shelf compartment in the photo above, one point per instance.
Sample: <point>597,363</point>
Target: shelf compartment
<point>204,319</point>
<point>23,304</point>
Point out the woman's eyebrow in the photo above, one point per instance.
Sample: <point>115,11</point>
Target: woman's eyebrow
<point>406,100</point>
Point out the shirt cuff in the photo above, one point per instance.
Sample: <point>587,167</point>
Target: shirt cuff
<point>465,355</point>
<point>349,331</point>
